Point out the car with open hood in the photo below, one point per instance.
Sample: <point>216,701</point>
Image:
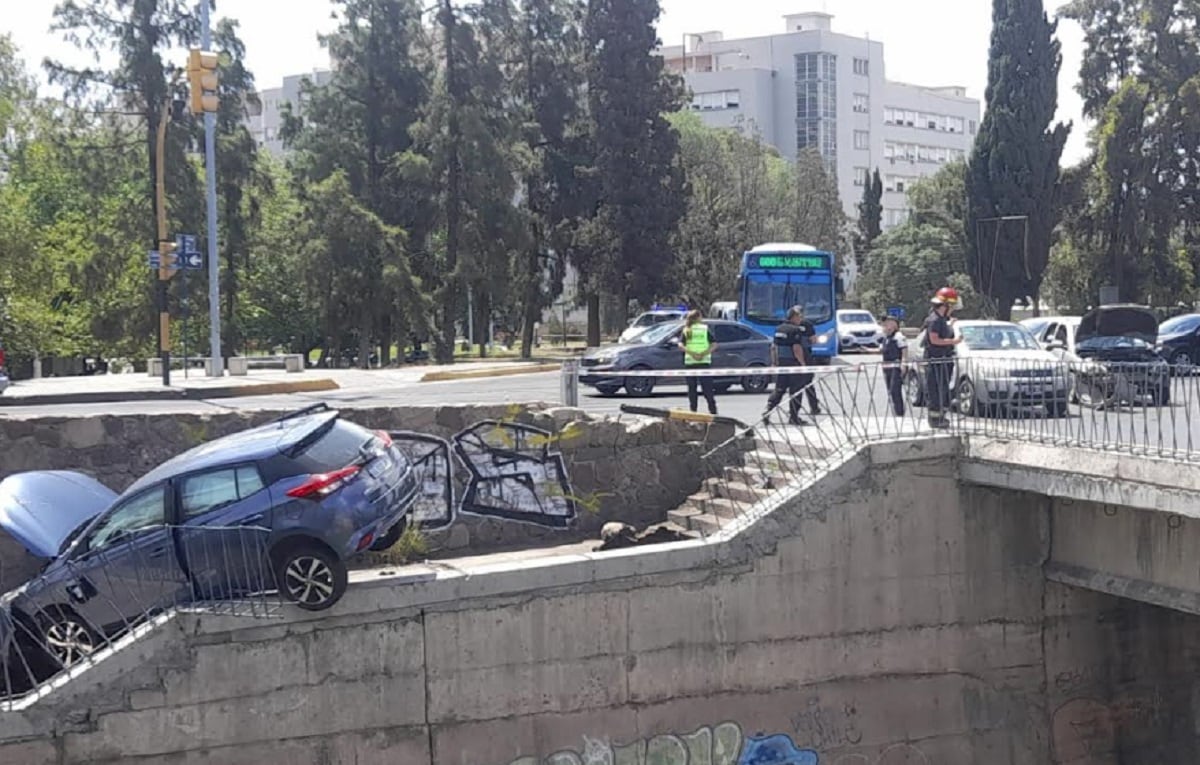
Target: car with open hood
<point>1112,356</point>
<point>280,507</point>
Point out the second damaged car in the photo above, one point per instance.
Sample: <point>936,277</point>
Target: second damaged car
<point>280,507</point>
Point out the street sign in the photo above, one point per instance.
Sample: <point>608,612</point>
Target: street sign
<point>897,312</point>
<point>192,260</point>
<point>155,261</point>
<point>186,244</point>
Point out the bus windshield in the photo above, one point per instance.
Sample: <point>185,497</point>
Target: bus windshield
<point>767,302</point>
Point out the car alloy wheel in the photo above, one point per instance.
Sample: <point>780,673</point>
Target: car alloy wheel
<point>312,578</point>
<point>1183,363</point>
<point>968,404</point>
<point>69,640</point>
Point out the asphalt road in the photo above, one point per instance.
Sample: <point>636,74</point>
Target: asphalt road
<point>849,396</point>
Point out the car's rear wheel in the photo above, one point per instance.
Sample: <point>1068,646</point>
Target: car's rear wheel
<point>390,537</point>
<point>756,383</point>
<point>1182,363</point>
<point>639,386</point>
<point>310,576</point>
<point>966,398</point>
<point>69,639</point>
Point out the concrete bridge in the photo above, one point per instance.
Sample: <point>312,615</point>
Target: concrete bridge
<point>885,597</point>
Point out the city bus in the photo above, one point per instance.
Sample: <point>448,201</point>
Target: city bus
<point>775,277</point>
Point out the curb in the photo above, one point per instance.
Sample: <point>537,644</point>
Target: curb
<point>477,374</point>
<point>173,394</point>
<point>681,415</point>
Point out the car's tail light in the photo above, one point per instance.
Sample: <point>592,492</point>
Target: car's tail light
<point>385,438</point>
<point>323,484</point>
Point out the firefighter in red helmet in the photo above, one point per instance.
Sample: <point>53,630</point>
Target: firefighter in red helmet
<point>939,343</point>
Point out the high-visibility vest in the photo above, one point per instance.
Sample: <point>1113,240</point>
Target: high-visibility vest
<point>696,341</point>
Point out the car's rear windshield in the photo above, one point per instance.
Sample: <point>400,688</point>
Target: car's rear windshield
<point>341,445</point>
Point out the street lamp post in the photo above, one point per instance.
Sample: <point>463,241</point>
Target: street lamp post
<point>216,361</point>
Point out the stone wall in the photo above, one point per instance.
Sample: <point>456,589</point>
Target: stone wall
<point>628,469</point>
<point>887,616</point>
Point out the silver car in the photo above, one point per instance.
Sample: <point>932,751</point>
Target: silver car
<point>738,346</point>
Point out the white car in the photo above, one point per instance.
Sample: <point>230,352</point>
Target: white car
<point>647,320</point>
<point>999,365</point>
<point>857,329</point>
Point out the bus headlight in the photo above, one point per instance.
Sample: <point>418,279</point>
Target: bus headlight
<point>822,339</point>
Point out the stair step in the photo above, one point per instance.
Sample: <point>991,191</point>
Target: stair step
<point>735,490</point>
<point>706,524</point>
<point>682,516</point>
<point>726,509</point>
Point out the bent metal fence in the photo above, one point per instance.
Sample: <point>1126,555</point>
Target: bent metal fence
<point>89,602</point>
<point>1135,407</point>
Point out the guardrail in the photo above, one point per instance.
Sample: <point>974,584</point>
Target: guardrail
<point>1133,407</point>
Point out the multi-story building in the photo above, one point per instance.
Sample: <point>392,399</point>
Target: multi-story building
<point>811,87</point>
<point>265,122</point>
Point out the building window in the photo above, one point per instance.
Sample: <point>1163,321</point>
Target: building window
<point>898,183</point>
<point>860,176</point>
<point>862,66</point>
<point>862,103</point>
<point>816,105</point>
<point>720,99</point>
<point>973,127</point>
<point>862,139</point>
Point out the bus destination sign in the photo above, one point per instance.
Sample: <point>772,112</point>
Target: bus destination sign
<point>809,262</point>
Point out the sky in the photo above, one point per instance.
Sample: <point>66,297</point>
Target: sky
<point>926,42</point>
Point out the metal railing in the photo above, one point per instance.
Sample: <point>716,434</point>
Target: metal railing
<point>83,606</point>
<point>1140,408</point>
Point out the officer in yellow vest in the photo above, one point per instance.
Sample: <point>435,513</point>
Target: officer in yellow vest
<point>698,349</point>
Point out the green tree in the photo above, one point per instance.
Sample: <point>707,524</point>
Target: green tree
<point>870,213</point>
<point>643,194</point>
<point>1013,168</point>
<point>909,264</point>
<point>240,182</point>
<point>817,217</point>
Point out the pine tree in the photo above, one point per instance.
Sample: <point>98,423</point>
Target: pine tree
<point>1014,170</point>
<point>643,193</point>
<point>870,215</point>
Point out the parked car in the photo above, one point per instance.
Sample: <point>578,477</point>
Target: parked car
<point>1179,342</point>
<point>999,366</point>
<point>723,310</point>
<point>650,319</point>
<point>281,506</point>
<point>857,330</point>
<point>657,348</point>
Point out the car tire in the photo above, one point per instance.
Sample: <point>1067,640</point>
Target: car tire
<point>639,387</point>
<point>966,399</point>
<point>391,536</point>
<point>914,389</point>
<point>1182,363</point>
<point>69,639</point>
<point>310,576</point>
<point>756,383</point>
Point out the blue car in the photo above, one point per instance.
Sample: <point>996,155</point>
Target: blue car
<point>280,507</point>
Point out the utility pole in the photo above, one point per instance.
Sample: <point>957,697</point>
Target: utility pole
<point>217,363</point>
<point>166,249</point>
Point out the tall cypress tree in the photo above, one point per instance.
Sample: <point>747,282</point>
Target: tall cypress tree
<point>1014,170</point>
<point>642,185</point>
<point>870,214</point>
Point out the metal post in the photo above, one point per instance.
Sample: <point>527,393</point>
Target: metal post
<point>164,272</point>
<point>570,383</point>
<point>217,369</point>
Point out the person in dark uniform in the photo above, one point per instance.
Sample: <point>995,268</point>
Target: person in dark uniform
<point>895,356</point>
<point>939,355</point>
<point>793,341</point>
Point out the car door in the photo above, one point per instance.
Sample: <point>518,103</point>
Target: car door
<point>223,521</point>
<point>126,567</point>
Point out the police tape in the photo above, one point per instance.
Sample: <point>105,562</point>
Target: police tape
<point>610,374</point>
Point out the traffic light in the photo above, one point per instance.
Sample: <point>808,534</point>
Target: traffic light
<point>203,81</point>
<point>168,260</point>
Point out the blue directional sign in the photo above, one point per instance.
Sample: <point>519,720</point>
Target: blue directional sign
<point>897,312</point>
<point>186,244</point>
<point>156,261</point>
<point>192,261</point>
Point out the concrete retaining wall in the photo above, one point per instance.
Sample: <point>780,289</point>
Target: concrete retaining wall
<point>628,469</point>
<point>888,616</point>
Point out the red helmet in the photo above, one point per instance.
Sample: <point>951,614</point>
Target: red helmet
<point>946,296</point>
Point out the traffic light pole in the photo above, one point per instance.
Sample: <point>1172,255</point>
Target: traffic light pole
<point>217,367</point>
<point>164,271</point>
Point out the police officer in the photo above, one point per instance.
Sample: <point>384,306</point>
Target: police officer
<point>939,354</point>
<point>793,340</point>
<point>698,349</point>
<point>895,355</point>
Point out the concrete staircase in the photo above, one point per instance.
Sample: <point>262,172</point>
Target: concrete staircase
<point>723,498</point>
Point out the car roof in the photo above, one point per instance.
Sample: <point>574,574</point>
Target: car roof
<point>244,446</point>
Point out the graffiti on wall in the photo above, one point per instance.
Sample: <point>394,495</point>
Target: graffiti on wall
<point>514,472</point>
<point>724,744</point>
<point>1085,729</point>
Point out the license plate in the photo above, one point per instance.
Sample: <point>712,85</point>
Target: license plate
<point>380,466</point>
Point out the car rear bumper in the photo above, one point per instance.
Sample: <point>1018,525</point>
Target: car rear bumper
<point>393,507</point>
